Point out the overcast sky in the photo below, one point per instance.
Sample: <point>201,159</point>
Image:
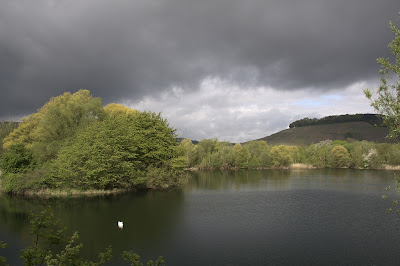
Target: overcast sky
<point>228,69</point>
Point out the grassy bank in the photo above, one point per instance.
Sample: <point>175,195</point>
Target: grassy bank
<point>65,192</point>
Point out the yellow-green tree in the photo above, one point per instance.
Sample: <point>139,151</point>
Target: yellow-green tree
<point>187,149</point>
<point>206,148</point>
<point>318,154</point>
<point>116,110</point>
<point>242,156</point>
<point>257,150</point>
<point>59,119</point>
<point>5,129</point>
<point>281,156</point>
<point>340,157</point>
<point>227,156</point>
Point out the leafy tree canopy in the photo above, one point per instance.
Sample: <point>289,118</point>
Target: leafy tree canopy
<point>340,157</point>
<point>115,152</point>
<point>115,109</point>
<point>5,129</point>
<point>56,121</point>
<point>18,159</point>
<point>282,156</point>
<point>386,101</point>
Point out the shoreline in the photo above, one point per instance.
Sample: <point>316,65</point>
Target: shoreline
<point>49,193</point>
<point>299,166</point>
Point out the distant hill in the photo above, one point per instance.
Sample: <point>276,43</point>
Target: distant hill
<point>334,131</point>
<point>373,119</point>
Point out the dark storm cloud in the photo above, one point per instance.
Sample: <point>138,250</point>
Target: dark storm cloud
<point>129,49</point>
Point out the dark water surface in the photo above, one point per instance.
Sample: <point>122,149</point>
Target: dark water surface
<point>291,217</point>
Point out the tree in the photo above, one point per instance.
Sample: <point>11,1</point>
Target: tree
<point>387,99</point>
<point>17,159</point>
<point>356,154</point>
<point>242,155</point>
<point>187,150</point>
<point>227,156</point>
<point>44,132</point>
<point>223,156</point>
<point>317,154</point>
<point>115,152</point>
<point>371,159</point>
<point>281,156</point>
<point>5,129</point>
<point>115,110</point>
<point>340,157</point>
<point>256,150</point>
<point>205,148</point>
<point>101,156</point>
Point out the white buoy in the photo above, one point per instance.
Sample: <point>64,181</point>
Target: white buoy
<point>120,224</point>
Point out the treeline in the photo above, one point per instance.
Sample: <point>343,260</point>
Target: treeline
<point>372,119</point>
<point>73,142</point>
<point>215,154</point>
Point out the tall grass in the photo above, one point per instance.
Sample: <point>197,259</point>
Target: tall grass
<point>301,166</point>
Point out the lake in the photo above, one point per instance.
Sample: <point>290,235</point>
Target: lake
<point>255,217</point>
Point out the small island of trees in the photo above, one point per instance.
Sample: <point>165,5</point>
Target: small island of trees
<point>73,142</point>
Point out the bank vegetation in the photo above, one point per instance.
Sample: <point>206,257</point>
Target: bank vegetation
<point>215,154</point>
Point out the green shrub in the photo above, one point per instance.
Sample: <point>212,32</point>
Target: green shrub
<point>17,160</point>
<point>164,177</point>
<point>20,182</point>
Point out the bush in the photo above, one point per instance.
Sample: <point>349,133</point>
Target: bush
<point>164,177</point>
<point>17,160</point>
<point>20,182</point>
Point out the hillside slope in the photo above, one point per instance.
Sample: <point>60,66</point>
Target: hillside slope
<point>339,131</point>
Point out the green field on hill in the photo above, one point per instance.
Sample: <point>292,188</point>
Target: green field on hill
<point>340,131</point>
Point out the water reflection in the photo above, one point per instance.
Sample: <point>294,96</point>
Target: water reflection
<point>246,180</point>
<point>231,217</point>
<point>237,180</point>
<point>149,219</point>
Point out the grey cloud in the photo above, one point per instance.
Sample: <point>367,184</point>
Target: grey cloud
<point>129,49</point>
<point>239,129</point>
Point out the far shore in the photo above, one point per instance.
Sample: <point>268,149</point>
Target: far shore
<point>298,166</point>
